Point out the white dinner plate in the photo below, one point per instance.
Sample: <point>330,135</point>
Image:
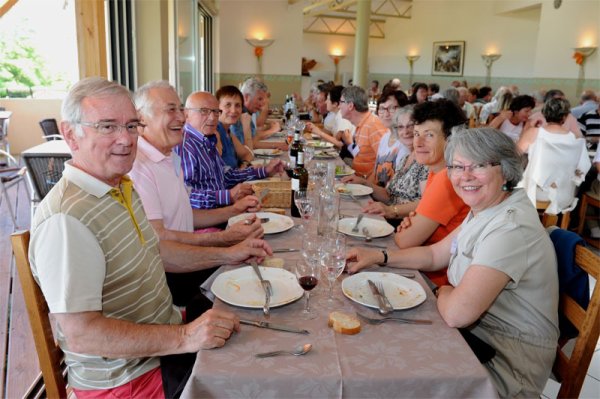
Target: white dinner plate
<point>267,152</point>
<point>343,170</point>
<point>377,228</point>
<point>319,144</point>
<point>356,190</point>
<point>402,292</point>
<point>241,287</point>
<point>276,224</point>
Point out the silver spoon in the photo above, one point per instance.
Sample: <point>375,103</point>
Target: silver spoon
<point>298,351</point>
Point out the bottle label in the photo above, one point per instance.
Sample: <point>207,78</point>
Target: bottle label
<point>300,159</point>
<point>295,184</point>
<point>292,162</point>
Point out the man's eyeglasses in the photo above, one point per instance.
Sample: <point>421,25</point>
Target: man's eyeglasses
<point>110,128</point>
<point>205,111</point>
<point>477,169</point>
<point>389,110</point>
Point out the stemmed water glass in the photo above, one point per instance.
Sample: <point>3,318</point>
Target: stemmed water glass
<point>308,278</point>
<point>333,260</point>
<point>305,204</point>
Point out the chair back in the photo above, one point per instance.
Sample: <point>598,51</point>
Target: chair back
<point>45,170</point>
<point>50,129</point>
<point>49,354</point>
<point>571,370</point>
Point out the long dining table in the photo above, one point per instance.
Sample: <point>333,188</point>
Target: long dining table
<point>382,361</point>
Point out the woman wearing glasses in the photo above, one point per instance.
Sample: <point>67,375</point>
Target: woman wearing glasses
<point>402,193</point>
<point>502,268</point>
<point>391,148</point>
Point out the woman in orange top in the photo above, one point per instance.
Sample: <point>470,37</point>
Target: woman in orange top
<point>440,210</point>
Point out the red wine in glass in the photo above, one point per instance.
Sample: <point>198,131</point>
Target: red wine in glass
<point>308,282</point>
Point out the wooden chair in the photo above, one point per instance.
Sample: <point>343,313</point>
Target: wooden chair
<point>49,354</point>
<point>552,220</point>
<point>571,371</point>
<point>587,200</point>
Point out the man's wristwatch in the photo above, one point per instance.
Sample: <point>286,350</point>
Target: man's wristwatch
<point>385,258</point>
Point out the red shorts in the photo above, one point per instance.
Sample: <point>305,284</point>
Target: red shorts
<point>148,385</point>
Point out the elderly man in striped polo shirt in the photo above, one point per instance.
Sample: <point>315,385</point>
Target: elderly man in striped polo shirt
<point>97,261</point>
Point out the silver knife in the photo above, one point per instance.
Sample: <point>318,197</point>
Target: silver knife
<point>381,302</point>
<point>265,284</point>
<point>278,250</point>
<point>272,326</point>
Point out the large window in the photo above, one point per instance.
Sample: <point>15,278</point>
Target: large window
<point>194,47</point>
<point>38,49</point>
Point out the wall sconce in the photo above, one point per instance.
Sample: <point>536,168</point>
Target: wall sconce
<point>580,55</point>
<point>336,60</point>
<point>488,60</point>
<point>411,60</point>
<point>259,49</point>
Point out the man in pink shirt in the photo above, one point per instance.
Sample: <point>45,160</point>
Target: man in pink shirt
<point>354,106</point>
<point>189,258</point>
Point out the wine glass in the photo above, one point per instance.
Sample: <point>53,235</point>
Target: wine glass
<point>305,204</point>
<point>333,260</point>
<point>311,248</point>
<point>308,278</point>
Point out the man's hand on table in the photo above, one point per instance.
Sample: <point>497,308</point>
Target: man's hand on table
<point>248,250</point>
<point>249,203</point>
<point>211,330</point>
<point>239,191</point>
<point>241,230</point>
<point>361,258</point>
<point>276,166</point>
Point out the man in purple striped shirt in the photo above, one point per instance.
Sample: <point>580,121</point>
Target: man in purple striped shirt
<point>213,183</point>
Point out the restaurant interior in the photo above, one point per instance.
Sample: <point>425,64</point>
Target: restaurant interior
<point>290,45</point>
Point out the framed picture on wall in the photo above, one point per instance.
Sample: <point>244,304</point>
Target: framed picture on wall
<point>448,58</point>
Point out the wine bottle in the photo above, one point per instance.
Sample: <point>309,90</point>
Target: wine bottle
<point>294,148</point>
<point>299,182</point>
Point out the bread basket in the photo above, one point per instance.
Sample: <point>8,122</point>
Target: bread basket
<point>279,196</point>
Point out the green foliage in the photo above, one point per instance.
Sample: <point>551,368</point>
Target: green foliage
<point>21,66</point>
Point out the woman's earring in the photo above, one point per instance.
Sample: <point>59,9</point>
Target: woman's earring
<point>504,187</point>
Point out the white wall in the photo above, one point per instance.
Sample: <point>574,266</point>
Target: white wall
<point>239,19</point>
<point>535,40</point>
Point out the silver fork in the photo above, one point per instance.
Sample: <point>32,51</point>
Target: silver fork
<point>355,228</point>
<point>388,305</point>
<point>391,318</point>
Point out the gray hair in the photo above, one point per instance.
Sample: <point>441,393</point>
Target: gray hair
<point>408,109</point>
<point>486,144</point>
<point>556,110</point>
<point>357,96</point>
<point>142,99</point>
<point>71,110</point>
<point>451,93</point>
<point>252,86</point>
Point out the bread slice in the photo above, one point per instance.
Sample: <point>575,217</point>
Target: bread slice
<point>344,323</point>
<point>273,262</point>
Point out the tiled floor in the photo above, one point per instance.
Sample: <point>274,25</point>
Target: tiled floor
<point>591,385</point>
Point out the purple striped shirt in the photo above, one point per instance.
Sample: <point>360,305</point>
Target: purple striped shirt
<point>206,173</point>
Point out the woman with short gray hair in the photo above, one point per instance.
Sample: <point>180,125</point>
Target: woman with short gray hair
<point>555,111</point>
<point>502,267</point>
